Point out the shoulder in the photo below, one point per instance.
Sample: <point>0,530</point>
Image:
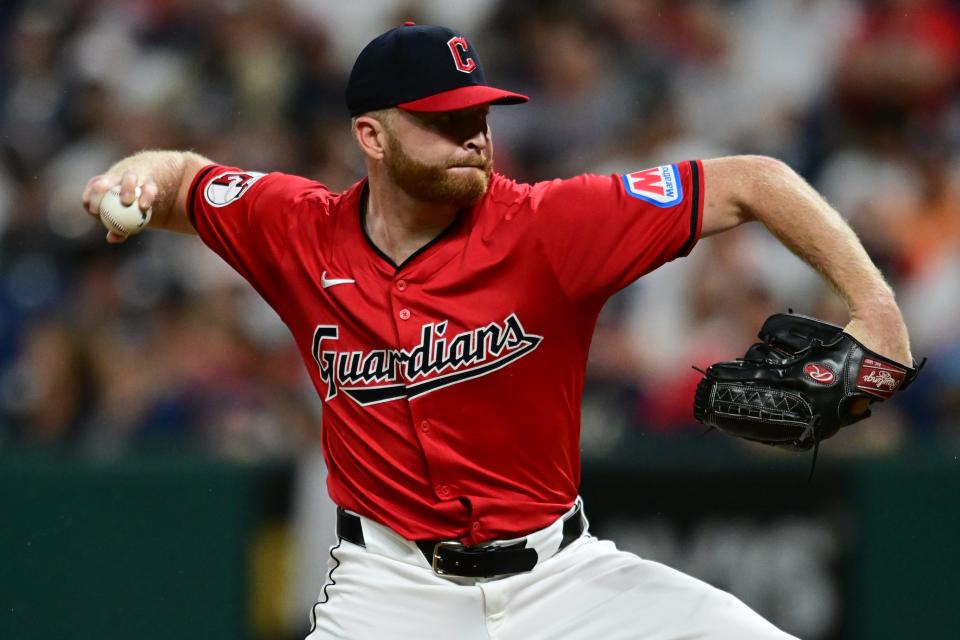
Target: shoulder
<point>505,191</point>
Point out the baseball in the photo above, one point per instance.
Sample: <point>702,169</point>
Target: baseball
<point>122,219</point>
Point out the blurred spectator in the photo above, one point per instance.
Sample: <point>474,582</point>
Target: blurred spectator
<point>47,392</point>
<point>579,101</point>
<point>33,99</point>
<point>900,67</point>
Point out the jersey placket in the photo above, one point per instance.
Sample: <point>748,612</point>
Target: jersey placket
<point>409,315</point>
<point>409,323</point>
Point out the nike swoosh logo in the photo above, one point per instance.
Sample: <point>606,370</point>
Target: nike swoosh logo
<point>330,282</point>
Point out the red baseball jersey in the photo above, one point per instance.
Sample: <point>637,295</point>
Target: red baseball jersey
<point>451,383</point>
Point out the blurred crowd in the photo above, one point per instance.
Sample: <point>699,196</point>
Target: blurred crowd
<point>105,348</point>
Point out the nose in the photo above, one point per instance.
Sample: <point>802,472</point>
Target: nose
<point>479,141</point>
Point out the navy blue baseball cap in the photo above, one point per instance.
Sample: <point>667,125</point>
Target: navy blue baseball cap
<point>421,68</point>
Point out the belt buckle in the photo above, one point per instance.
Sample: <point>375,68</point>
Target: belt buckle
<point>436,555</point>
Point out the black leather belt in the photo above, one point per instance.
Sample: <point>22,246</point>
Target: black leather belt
<point>455,559</point>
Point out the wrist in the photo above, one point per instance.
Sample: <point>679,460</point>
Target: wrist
<point>883,330</point>
<point>880,308</point>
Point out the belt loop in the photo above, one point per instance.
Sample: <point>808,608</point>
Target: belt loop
<point>350,528</point>
<point>574,525</point>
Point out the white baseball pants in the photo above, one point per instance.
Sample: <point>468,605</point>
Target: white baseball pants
<point>588,591</point>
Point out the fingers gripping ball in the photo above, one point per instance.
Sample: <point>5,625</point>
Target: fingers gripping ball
<point>120,218</point>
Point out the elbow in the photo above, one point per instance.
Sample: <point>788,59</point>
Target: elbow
<point>766,172</point>
<point>767,164</point>
<point>192,163</point>
<point>741,189</point>
<point>767,179</point>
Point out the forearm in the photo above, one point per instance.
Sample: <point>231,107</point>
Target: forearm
<point>172,173</point>
<point>807,225</point>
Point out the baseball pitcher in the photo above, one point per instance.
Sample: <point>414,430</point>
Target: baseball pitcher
<point>444,312</point>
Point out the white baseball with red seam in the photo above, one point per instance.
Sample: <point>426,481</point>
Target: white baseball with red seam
<point>120,218</point>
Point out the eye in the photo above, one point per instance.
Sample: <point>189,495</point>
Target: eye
<point>473,119</point>
<point>457,124</point>
<point>438,120</point>
<point>480,118</point>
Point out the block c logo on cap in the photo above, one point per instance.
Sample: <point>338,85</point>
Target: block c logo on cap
<point>459,48</point>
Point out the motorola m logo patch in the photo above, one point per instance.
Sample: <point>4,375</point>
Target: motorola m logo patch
<point>371,377</point>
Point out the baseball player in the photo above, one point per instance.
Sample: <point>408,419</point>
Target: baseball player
<point>444,313</point>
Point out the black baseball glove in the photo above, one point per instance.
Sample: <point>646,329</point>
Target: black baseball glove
<point>799,385</point>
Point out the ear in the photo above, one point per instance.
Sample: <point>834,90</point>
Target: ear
<point>370,135</point>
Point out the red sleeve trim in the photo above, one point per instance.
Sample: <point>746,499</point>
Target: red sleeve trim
<point>696,208</point>
<point>191,194</point>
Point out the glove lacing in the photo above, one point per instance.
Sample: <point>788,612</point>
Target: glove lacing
<point>813,430</point>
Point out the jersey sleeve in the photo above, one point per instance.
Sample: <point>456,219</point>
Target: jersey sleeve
<point>600,233</point>
<point>248,218</point>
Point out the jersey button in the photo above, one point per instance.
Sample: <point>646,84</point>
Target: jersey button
<point>402,285</point>
<point>404,314</point>
<point>425,426</point>
<point>476,526</point>
<point>443,490</point>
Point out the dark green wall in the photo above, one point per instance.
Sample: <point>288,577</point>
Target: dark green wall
<point>908,561</point>
<point>145,549</point>
<point>158,547</point>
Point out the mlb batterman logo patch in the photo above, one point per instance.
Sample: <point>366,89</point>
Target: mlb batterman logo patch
<point>227,187</point>
<point>659,186</point>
